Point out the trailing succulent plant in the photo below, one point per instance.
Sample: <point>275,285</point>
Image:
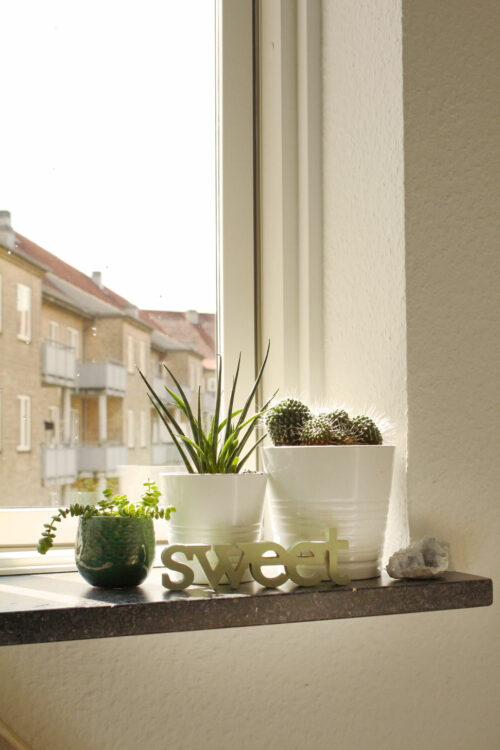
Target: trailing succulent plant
<point>112,505</point>
<point>285,421</point>
<point>291,422</point>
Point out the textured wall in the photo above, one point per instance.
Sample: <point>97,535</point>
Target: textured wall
<point>365,337</point>
<point>414,681</point>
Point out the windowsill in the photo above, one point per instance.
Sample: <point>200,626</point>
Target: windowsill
<point>62,607</point>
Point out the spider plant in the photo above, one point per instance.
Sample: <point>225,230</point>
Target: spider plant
<point>221,449</point>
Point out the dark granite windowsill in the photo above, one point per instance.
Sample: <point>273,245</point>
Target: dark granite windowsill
<point>62,607</point>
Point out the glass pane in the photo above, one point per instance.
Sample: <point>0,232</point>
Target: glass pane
<point>107,239</point>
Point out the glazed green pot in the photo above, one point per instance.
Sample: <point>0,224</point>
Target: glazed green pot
<point>113,551</point>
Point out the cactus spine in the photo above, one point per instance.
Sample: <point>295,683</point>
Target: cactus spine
<point>284,421</point>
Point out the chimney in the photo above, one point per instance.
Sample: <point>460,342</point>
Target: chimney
<point>6,231</point>
<point>97,278</point>
<point>192,317</point>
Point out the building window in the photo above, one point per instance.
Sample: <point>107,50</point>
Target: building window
<point>155,429</point>
<point>73,339</point>
<point>24,443</point>
<point>142,356</point>
<point>54,419</point>
<point>142,428</point>
<point>130,354</point>
<point>130,429</point>
<point>53,331</point>
<point>24,310</point>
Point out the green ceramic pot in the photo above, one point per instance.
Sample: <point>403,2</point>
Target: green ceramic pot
<point>114,551</point>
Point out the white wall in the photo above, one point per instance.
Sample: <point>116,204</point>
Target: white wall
<point>414,681</point>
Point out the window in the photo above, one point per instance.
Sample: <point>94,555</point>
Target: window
<point>142,430</point>
<point>56,428</point>
<point>143,349</point>
<point>24,443</point>
<point>54,331</point>
<point>130,429</point>
<point>24,310</point>
<point>73,339</point>
<point>130,354</point>
<point>154,429</point>
<point>106,331</point>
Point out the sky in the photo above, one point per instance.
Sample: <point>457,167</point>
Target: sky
<point>108,149</point>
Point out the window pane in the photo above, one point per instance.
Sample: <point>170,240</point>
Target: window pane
<point>107,238</point>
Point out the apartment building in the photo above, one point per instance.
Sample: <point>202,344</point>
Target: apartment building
<point>73,407</point>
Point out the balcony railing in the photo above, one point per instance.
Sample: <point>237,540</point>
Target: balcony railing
<point>159,384</point>
<point>59,464</point>
<point>110,377</point>
<point>105,457</point>
<point>58,364</point>
<point>164,454</point>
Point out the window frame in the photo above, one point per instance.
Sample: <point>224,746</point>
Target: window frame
<point>24,295</point>
<point>236,287</point>
<point>24,424</point>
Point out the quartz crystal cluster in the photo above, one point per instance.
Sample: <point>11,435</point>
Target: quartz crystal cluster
<point>425,558</point>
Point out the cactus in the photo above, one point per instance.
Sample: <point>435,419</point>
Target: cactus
<point>284,421</point>
<point>339,419</point>
<point>321,430</point>
<point>364,431</point>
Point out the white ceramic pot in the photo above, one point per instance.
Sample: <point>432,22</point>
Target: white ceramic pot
<point>214,509</point>
<point>347,487</point>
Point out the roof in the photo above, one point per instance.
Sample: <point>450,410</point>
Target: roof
<point>199,336</point>
<point>171,331</point>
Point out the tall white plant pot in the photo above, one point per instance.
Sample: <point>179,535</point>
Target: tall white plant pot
<point>347,487</point>
<point>214,509</point>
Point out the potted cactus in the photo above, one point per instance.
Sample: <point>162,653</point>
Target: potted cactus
<point>217,500</point>
<point>329,470</point>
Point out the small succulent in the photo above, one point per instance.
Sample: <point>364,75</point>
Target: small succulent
<point>364,431</point>
<point>112,505</point>
<point>285,421</point>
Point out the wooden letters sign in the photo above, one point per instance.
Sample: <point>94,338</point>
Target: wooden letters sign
<point>321,557</point>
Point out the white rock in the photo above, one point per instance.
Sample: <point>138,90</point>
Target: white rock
<point>425,558</point>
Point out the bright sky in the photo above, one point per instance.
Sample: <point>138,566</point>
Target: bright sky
<point>108,140</point>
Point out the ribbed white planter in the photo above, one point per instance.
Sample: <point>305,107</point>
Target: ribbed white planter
<point>347,487</point>
<point>214,509</point>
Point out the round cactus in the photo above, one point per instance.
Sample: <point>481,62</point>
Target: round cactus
<point>339,419</point>
<point>284,421</point>
<point>321,430</point>
<point>364,431</point>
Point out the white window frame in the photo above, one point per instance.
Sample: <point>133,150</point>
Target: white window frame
<point>73,339</point>
<point>54,331</point>
<point>23,304</point>
<point>143,351</point>
<point>20,527</point>
<point>24,424</point>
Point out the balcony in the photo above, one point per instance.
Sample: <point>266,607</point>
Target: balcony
<point>59,464</point>
<point>164,454</point>
<point>208,402</point>
<point>105,457</point>
<point>159,384</point>
<point>107,377</point>
<point>58,364</point>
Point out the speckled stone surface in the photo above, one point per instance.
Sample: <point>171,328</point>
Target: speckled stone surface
<point>62,607</point>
